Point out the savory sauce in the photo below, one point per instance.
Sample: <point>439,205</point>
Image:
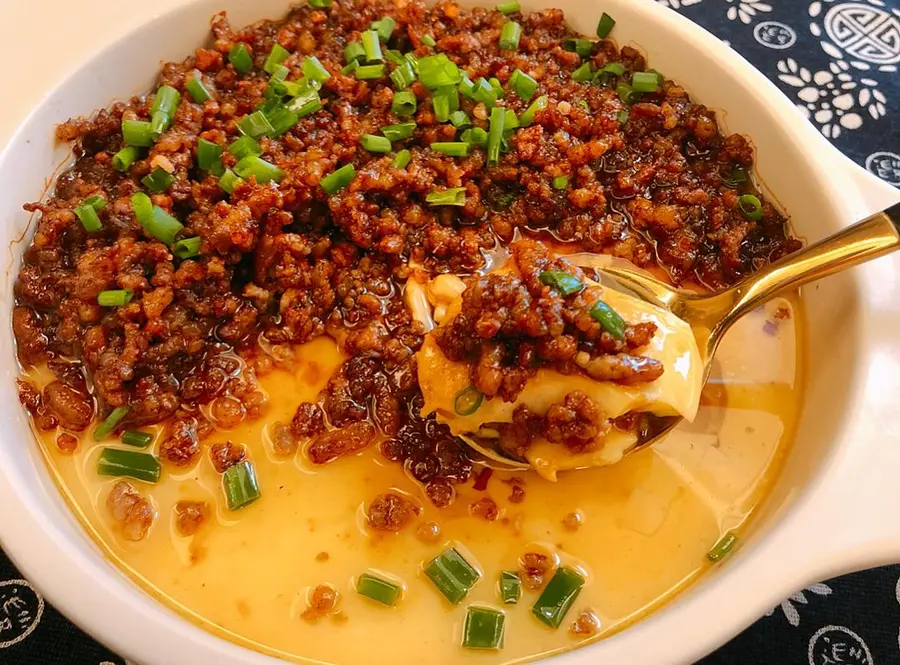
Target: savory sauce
<point>645,526</point>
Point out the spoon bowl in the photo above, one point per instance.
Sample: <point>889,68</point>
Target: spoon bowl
<point>711,315</point>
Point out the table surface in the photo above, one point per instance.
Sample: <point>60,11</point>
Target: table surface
<point>838,61</point>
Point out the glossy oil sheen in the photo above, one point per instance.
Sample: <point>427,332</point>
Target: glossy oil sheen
<point>647,522</point>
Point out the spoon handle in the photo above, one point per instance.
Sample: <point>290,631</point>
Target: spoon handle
<point>861,242</point>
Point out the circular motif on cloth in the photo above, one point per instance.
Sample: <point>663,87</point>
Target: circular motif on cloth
<point>837,645</point>
<point>21,609</point>
<point>775,35</point>
<point>864,32</point>
<point>886,165</point>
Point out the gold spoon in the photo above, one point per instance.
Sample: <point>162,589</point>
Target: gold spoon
<point>710,316</point>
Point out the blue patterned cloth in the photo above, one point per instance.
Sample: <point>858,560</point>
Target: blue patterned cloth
<point>837,61</point>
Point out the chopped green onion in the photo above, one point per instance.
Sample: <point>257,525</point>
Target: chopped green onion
<point>240,485</point>
<point>240,59</point>
<point>401,159</point>
<point>336,181</point>
<point>614,68</point>
<point>607,317</point>
<point>452,575</point>
<point>137,133</point>
<point>498,89</point>
<point>116,462</point>
<point>320,4</point>
<point>157,222</point>
<point>441,106</point>
<point>483,628</point>
<point>583,104</point>
<point>645,81</point>
<point>564,282</point>
<point>384,27</point>
<point>208,155</point>
<point>509,7</point>
<point>395,57</point>
<point>751,206</point>
<point>256,124</point>
<point>484,92</point>
<point>558,596</point>
<point>720,549</point>
<point>314,70</point>
<point>466,87</point>
<point>87,215</point>
<point>510,121</point>
<point>198,92</point>
<point>276,56</point>
<point>142,206</point>
<point>454,196</point>
<point>475,136</point>
<point>452,149</point>
<point>378,589</point>
<point>523,85</point>
<point>372,46</point>
<point>403,76</point>
<point>398,132</point>
<point>539,104</point>
<point>282,119</point>
<point>560,182</point>
<point>428,40</point>
<point>98,203</point>
<point>354,52</point>
<point>374,143</point>
<point>133,437</point>
<point>510,587</point>
<point>460,120</point>
<point>127,156</point>
<point>495,135</point>
<point>623,116</point>
<point>626,93</point>
<point>187,248</point>
<point>306,104</point>
<point>279,74</point>
<point>254,165</point>
<point>159,123</point>
<point>165,101</point>
<point>112,421</point>
<point>158,180</point>
<point>467,401</point>
<point>413,60</point>
<point>738,176</point>
<point>229,180</point>
<point>509,36</point>
<point>605,26</point>
<point>585,72</point>
<point>243,146</point>
<point>404,103</point>
<point>583,47</point>
<point>365,72</point>
<point>438,71</point>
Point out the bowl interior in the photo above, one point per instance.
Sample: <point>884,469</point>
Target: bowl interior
<point>129,66</point>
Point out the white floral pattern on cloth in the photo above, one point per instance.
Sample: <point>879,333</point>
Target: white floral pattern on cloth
<point>678,4</point>
<point>745,10</point>
<point>832,98</point>
<point>787,606</point>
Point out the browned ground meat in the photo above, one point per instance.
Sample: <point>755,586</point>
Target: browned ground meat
<point>586,625</point>
<point>322,601</point>
<point>131,511</point>
<point>226,455</point>
<point>307,420</point>
<point>190,516</point>
<point>288,262</point>
<point>390,512</point>
<point>485,508</point>
<point>536,569</point>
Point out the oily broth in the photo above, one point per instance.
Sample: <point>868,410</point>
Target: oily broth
<point>246,575</point>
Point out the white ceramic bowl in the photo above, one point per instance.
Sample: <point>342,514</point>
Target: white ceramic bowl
<point>832,508</point>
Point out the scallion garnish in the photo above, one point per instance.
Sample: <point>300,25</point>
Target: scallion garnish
<point>354,52</point>
<point>240,59</point>
<point>626,93</point>
<point>137,133</point>
<point>495,135</point>
<point>115,298</point>
<point>282,119</point>
<point>229,180</point>
<point>187,248</point>
<point>255,124</point>
<point>198,92</point>
<point>607,317</point>
<point>165,103</point>
<point>483,628</point>
<point>320,4</point>
<point>367,72</point>
<point>87,210</point>
<point>243,146</point>
<point>138,439</point>
<point>645,81</point>
<point>738,176</point>
<point>428,40</point>
<point>384,27</point>
<point>314,70</point>
<point>583,47</point>
<point>498,89</point>
<point>751,206</point>
<point>378,589</point>
<point>240,485</point>
<point>454,196</point>
<point>307,103</point>
<point>725,544</point>
<point>605,26</point>
<point>276,56</point>
<point>452,575</point>
<point>623,116</point>
<point>158,180</point>
<point>565,283</point>
<point>438,71</point>
<point>510,122</point>
<point>467,401</point>
<point>509,7</point>
<point>374,143</point>
<point>337,180</point>
<point>254,165</point>
<point>398,132</point>
<point>523,85</point>
<point>403,76</point>
<point>460,120</point>
<point>560,182</point>
<point>208,155</point>
<point>157,222</point>
<point>475,136</point>
<point>127,156</point>
<point>452,149</point>
<point>484,92</point>
<point>404,103</point>
<point>394,56</point>
<point>112,421</point>
<point>585,72</point>
<point>441,106</point>
<point>372,47</point>
<point>117,462</point>
<point>510,587</point>
<point>510,35</point>
<point>401,159</point>
<point>559,594</point>
<point>614,68</point>
<point>539,104</point>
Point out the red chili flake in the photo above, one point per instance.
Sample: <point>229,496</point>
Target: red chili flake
<point>481,480</point>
